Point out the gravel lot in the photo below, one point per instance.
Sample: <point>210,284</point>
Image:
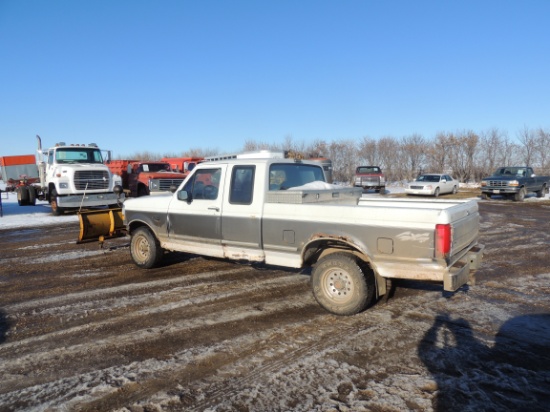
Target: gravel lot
<point>82,329</point>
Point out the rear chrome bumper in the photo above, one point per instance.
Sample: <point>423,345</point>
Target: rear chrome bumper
<point>463,270</point>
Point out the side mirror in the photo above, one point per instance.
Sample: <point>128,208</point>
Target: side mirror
<point>183,195</point>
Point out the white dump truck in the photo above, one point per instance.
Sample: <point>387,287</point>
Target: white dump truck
<point>72,177</point>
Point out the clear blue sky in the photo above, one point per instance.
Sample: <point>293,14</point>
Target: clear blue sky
<point>169,76</point>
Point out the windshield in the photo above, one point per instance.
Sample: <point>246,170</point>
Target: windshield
<point>427,178</point>
<point>155,167</point>
<point>364,170</point>
<point>510,171</point>
<point>78,155</point>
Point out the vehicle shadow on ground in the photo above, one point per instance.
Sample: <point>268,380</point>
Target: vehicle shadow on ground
<point>512,374</point>
<point>4,326</point>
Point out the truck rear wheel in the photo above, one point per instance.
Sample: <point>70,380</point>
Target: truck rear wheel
<point>342,285</point>
<point>542,191</point>
<point>145,248</point>
<point>23,195</point>
<point>32,195</point>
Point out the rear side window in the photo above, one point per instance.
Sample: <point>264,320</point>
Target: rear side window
<point>286,175</point>
<point>242,185</point>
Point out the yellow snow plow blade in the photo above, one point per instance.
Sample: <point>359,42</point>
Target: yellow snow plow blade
<point>98,225</point>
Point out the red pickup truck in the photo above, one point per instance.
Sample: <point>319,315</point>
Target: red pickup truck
<point>370,177</point>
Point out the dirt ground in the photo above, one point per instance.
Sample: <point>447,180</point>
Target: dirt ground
<point>83,329</point>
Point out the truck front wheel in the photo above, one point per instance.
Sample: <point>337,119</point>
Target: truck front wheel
<point>342,284</point>
<point>56,210</point>
<point>145,248</point>
<point>519,196</point>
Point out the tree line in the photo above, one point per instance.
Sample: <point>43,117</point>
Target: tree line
<point>466,155</point>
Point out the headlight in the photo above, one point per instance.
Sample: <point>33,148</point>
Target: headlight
<point>513,183</point>
<point>483,184</point>
<point>63,185</point>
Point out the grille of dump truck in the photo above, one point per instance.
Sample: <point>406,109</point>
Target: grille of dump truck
<point>91,179</point>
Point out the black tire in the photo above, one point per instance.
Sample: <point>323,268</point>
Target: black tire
<point>455,190</point>
<point>145,248</point>
<point>32,195</point>
<point>541,192</point>
<point>342,285</point>
<point>485,196</point>
<point>519,196</point>
<point>382,190</point>
<point>56,210</point>
<point>436,192</point>
<point>23,195</point>
<point>142,191</point>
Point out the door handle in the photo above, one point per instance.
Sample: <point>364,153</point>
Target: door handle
<point>216,208</point>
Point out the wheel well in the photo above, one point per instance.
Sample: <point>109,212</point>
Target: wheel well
<point>135,225</point>
<point>51,188</point>
<point>321,248</point>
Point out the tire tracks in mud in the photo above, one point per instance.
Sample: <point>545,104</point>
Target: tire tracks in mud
<point>140,328</point>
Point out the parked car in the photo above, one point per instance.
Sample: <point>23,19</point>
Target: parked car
<point>432,184</point>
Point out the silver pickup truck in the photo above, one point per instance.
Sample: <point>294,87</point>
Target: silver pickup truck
<point>281,212</point>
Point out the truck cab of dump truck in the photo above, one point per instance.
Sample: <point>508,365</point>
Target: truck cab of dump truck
<point>74,176</point>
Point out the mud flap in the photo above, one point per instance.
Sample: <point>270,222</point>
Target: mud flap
<point>98,225</point>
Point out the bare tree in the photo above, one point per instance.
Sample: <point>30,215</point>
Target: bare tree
<point>368,151</point>
<point>437,152</point>
<point>528,140</point>
<point>343,155</point>
<point>318,148</point>
<point>509,154</point>
<point>388,149</point>
<point>486,159</point>
<point>462,147</point>
<point>413,149</point>
<point>543,143</point>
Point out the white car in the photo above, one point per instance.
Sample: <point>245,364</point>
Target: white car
<point>432,184</point>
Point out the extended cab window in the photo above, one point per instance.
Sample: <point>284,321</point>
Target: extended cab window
<point>286,175</point>
<point>204,184</point>
<point>242,184</point>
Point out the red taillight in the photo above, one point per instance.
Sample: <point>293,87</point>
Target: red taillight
<point>442,240</point>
